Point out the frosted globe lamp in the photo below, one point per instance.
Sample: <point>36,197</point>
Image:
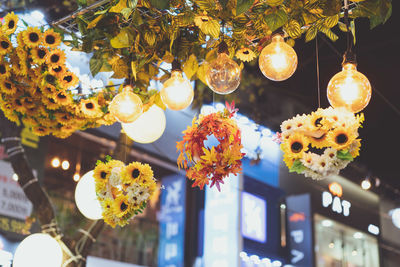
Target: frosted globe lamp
<point>38,250</point>
<point>278,60</point>
<point>349,89</point>
<point>86,199</point>
<point>148,127</point>
<point>177,92</point>
<point>223,74</point>
<point>126,106</point>
<point>395,215</point>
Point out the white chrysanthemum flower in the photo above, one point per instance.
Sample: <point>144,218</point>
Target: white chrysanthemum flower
<point>115,176</point>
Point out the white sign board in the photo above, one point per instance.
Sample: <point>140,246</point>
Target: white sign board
<point>13,202</point>
<point>99,262</point>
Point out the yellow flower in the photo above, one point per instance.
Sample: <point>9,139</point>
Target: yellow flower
<point>245,54</point>
<point>354,148</point>
<point>49,90</point>
<point>4,70</point>
<point>28,120</point>
<point>341,138</point>
<point>90,108</point>
<point>58,71</point>
<point>49,79</point>
<point>51,39</point>
<point>107,206</point>
<point>121,206</point>
<point>101,173</point>
<point>319,142</point>
<point>295,145</point>
<point>50,103</point>
<point>18,104</point>
<point>316,120</point>
<point>28,102</point>
<point>132,173</point>
<point>32,37</point>
<point>63,98</point>
<point>288,126</point>
<point>69,80</point>
<point>39,55</point>
<point>288,161</point>
<point>64,118</point>
<point>5,45</point>
<point>56,57</point>
<point>147,175</point>
<point>20,39</point>
<point>40,130</point>
<point>107,119</point>
<point>9,23</point>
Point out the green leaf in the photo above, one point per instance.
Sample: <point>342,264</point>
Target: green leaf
<point>201,72</point>
<point>276,19</point>
<point>118,7</point>
<point>95,65</point>
<point>311,33</point>
<point>211,27</point>
<point>332,7</point>
<point>330,34</point>
<point>132,3</point>
<point>94,22</point>
<point>344,155</point>
<point>137,18</point>
<point>126,12</point>
<point>108,158</point>
<point>242,6</point>
<point>297,167</point>
<point>331,22</point>
<point>223,3</point>
<point>160,4</point>
<point>191,66</point>
<point>121,40</point>
<point>293,29</point>
<point>342,26</point>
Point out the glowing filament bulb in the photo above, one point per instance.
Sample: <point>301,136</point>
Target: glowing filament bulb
<point>126,106</point>
<point>278,60</point>
<point>350,89</point>
<point>177,92</point>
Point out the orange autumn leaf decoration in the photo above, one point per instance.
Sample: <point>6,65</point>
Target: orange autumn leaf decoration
<point>203,164</point>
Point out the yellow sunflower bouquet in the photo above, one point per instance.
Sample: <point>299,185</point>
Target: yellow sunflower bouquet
<point>123,190</point>
<point>35,84</point>
<point>321,143</point>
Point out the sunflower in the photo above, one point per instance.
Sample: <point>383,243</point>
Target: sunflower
<point>50,103</point>
<point>60,134</point>
<point>18,104</point>
<point>147,175</point>
<point>319,142</point>
<point>7,87</point>
<point>354,148</point>
<point>4,70</point>
<point>107,119</point>
<point>315,121</point>
<point>5,45</point>
<point>121,206</point>
<point>90,108</point>
<point>56,57</point>
<point>9,23</point>
<point>295,145</point>
<point>199,20</point>
<point>49,79</point>
<point>107,206</point>
<point>69,80</point>
<point>10,115</point>
<point>63,98</point>
<point>341,138</point>
<point>101,173</point>
<point>58,71</point>
<point>51,38</point>
<point>40,130</point>
<point>32,37</point>
<point>28,120</point>
<point>245,54</point>
<point>132,173</point>
<point>49,90</point>
<point>39,55</point>
<point>28,102</point>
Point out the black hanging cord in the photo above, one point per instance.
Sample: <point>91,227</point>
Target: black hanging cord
<point>176,65</point>
<point>349,56</point>
<point>318,82</point>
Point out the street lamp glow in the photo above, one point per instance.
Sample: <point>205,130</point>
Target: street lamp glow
<point>366,184</point>
<point>55,162</point>
<point>65,165</point>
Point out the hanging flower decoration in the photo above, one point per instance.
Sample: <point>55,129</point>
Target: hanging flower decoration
<point>36,86</point>
<point>335,131</point>
<point>123,190</point>
<point>216,162</point>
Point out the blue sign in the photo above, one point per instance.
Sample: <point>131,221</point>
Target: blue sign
<point>172,222</point>
<point>300,230</point>
<point>254,217</point>
<point>221,224</point>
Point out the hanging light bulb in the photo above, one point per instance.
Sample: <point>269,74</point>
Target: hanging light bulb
<point>278,60</point>
<point>126,106</point>
<point>177,92</point>
<point>223,74</point>
<point>148,127</point>
<point>349,88</point>
<point>86,198</point>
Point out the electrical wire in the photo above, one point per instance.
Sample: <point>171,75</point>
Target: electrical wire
<point>318,80</point>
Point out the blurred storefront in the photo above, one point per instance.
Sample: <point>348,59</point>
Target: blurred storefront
<point>331,223</point>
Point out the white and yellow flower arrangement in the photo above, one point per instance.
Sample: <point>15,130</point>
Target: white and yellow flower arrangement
<point>321,143</point>
<point>123,190</point>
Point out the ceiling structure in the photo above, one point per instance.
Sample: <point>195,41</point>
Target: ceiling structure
<point>378,55</point>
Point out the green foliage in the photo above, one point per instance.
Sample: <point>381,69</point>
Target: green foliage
<point>344,155</point>
<point>132,38</point>
<point>297,167</point>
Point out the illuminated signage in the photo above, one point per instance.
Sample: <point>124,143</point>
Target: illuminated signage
<point>254,221</point>
<point>221,235</point>
<point>332,199</point>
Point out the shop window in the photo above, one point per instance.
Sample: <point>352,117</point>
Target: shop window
<point>338,245</point>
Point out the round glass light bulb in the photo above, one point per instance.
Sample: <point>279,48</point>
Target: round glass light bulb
<point>55,162</point>
<point>148,127</point>
<point>350,89</point>
<point>38,250</point>
<point>177,92</point>
<point>223,75</point>
<point>278,60</point>
<point>86,198</point>
<point>126,106</point>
